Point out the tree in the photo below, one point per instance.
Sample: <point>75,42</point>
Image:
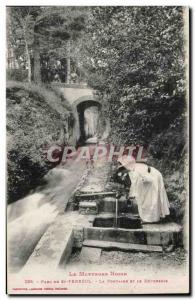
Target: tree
<point>62,27</point>
<point>21,38</point>
<point>135,58</point>
<point>48,31</point>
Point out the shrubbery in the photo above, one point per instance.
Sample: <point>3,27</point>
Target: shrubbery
<point>35,118</point>
<point>17,74</point>
<point>136,60</point>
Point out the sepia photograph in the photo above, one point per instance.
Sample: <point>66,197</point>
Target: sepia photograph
<point>98,150</point>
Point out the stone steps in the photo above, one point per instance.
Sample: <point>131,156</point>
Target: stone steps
<point>149,234</point>
<point>121,246</point>
<point>88,208</point>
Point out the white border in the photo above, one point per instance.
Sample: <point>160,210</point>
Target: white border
<point>2,105</point>
<point>100,2</point>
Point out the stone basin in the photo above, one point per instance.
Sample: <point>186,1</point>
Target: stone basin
<point>148,234</point>
<point>123,221</point>
<point>92,188</point>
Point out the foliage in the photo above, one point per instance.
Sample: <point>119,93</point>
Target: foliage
<point>20,37</point>
<point>51,32</point>
<point>35,118</point>
<point>135,58</point>
<point>16,74</point>
<point>136,55</point>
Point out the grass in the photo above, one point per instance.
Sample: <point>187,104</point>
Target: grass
<point>52,97</point>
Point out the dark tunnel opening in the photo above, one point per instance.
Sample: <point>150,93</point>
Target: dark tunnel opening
<point>89,117</point>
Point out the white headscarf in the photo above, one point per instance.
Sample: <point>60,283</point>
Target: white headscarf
<point>127,161</point>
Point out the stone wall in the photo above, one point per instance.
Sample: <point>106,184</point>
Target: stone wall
<point>76,94</point>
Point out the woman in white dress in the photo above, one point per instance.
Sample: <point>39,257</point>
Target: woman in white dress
<point>148,189</point>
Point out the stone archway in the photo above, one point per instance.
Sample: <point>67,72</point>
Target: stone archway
<point>82,107</point>
<point>83,99</point>
<point>89,120</point>
<point>75,95</point>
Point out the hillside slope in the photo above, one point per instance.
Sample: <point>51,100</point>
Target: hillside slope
<point>36,117</point>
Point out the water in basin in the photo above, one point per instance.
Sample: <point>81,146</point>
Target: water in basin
<point>123,221</point>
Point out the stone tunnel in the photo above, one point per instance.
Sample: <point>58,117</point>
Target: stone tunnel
<point>89,122</point>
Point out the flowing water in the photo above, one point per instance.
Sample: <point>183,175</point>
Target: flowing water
<point>28,218</point>
<point>91,118</point>
<point>116,213</point>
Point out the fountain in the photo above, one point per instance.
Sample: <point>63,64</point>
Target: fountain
<point>114,223</point>
<point>116,213</point>
<point>99,217</point>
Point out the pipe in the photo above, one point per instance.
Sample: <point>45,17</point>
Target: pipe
<point>116,213</point>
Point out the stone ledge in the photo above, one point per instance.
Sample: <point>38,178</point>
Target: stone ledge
<point>121,246</point>
<point>152,234</point>
<point>87,204</point>
<point>55,246</point>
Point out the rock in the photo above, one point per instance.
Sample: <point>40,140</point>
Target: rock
<point>90,255</point>
<point>168,248</point>
<point>88,208</point>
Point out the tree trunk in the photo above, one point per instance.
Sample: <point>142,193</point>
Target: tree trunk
<point>28,61</point>
<point>37,64</point>
<point>68,63</point>
<point>8,38</point>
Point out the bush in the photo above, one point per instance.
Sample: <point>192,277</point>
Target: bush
<point>17,74</point>
<point>35,118</point>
